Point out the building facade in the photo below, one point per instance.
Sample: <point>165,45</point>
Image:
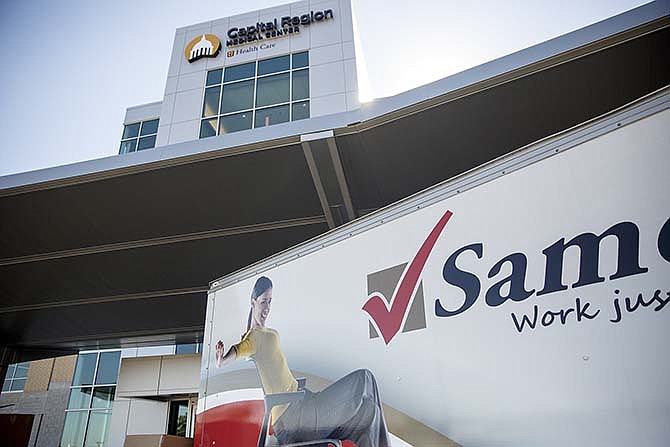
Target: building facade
<point>257,69</point>
<point>43,400</point>
<point>97,398</point>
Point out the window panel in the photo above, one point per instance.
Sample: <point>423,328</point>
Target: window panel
<point>80,398</point>
<point>98,427</point>
<point>10,371</point>
<point>83,374</point>
<point>74,429</point>
<point>17,385</point>
<point>272,90</point>
<point>300,60</point>
<point>149,127</point>
<point>186,348</point>
<point>256,94</point>
<point>300,84</point>
<point>272,115</point>
<point>6,384</point>
<point>235,123</point>
<point>131,131</point>
<point>146,143</point>
<point>238,72</point>
<point>208,128</point>
<point>103,396</point>
<point>127,146</point>
<point>281,63</point>
<point>211,105</point>
<point>177,417</point>
<point>108,367</point>
<point>237,96</point>
<point>214,77</point>
<point>300,110</point>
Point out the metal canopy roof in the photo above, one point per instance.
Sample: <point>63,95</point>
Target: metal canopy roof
<point>119,251</point>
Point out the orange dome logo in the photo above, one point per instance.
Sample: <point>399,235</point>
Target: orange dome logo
<point>205,45</point>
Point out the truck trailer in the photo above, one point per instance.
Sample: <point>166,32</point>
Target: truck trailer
<point>522,303</point>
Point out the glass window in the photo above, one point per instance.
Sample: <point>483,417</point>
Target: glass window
<point>87,417</point>
<point>271,115</point>
<point>256,94</point>
<point>211,105</point>
<point>15,378</point>
<point>149,127</point>
<point>131,131</point>
<point>80,398</point>
<point>21,371</point>
<point>83,373</point>
<point>300,60</point>
<point>108,367</point>
<point>281,63</point>
<point>18,385</point>
<point>177,418</point>
<point>237,96</point>
<point>146,143</point>
<point>10,372</point>
<point>127,146</point>
<point>129,141</point>
<point>103,396</point>
<point>98,426</point>
<point>272,90</point>
<point>300,84</point>
<point>235,123</point>
<point>214,77</point>
<point>74,429</point>
<point>186,348</point>
<point>300,110</point>
<point>208,128</point>
<point>238,72</point>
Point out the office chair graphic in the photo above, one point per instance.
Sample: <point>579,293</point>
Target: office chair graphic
<point>265,439</point>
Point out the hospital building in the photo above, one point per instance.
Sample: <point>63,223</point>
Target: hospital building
<point>259,143</point>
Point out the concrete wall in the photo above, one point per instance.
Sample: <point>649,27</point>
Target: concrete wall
<point>333,79</point>
<point>39,375</point>
<point>158,376</point>
<point>136,416</point>
<point>141,382</point>
<point>142,112</point>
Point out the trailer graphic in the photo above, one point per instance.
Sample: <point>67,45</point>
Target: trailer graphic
<point>389,319</point>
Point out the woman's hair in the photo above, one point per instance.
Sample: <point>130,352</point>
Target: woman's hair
<point>262,285</point>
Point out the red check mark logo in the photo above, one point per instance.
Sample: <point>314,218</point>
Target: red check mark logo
<point>389,320</point>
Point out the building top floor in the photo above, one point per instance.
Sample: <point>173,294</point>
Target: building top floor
<point>266,67</point>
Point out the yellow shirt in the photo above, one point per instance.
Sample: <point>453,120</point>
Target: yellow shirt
<point>262,345</point>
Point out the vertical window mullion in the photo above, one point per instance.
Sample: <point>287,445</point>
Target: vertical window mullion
<point>253,110</point>
<point>95,377</point>
<point>88,418</point>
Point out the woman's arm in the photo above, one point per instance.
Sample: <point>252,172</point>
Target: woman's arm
<point>229,357</point>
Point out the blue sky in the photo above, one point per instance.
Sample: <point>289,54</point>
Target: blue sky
<point>70,68</point>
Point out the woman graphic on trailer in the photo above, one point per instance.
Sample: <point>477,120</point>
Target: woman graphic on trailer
<point>349,409</point>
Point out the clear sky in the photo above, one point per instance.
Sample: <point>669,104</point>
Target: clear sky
<point>70,68</point>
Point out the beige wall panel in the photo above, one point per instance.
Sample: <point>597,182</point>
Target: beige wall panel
<point>180,374</point>
<point>138,377</point>
<point>63,369</point>
<point>119,422</point>
<point>147,417</point>
<point>39,374</point>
